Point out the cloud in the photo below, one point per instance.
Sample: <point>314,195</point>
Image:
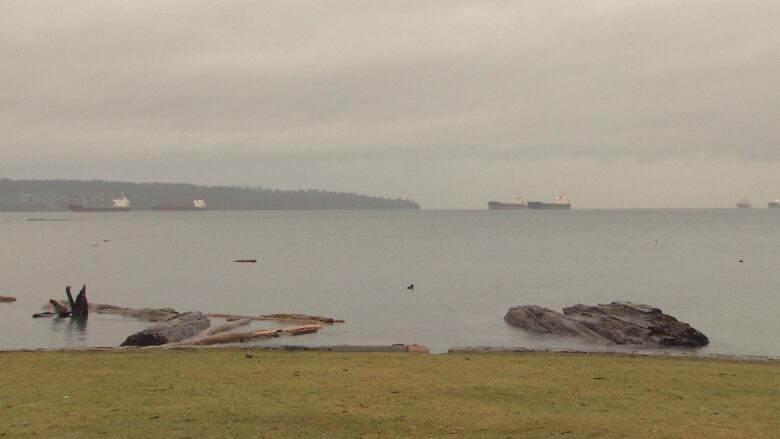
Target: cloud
<point>198,83</point>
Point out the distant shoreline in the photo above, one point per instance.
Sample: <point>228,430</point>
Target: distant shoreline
<point>57,195</point>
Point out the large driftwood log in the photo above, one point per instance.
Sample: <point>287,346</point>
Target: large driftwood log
<point>302,317</point>
<point>231,337</point>
<point>229,326</point>
<point>71,302</point>
<point>61,310</point>
<point>243,337</point>
<point>6,299</point>
<point>181,327</point>
<point>616,323</point>
<point>81,308</point>
<point>211,332</point>
<point>148,314</point>
<point>300,330</point>
<point>295,318</point>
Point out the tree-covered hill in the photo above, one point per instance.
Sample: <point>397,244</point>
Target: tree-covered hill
<point>42,195</point>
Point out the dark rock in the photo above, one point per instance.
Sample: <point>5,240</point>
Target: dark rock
<point>540,320</point>
<point>622,323</point>
<point>178,328</point>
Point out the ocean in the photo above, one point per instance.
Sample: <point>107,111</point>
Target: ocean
<point>468,268</point>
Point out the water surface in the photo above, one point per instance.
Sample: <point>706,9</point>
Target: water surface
<point>468,268</point>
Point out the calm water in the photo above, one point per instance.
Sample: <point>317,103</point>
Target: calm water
<point>468,267</point>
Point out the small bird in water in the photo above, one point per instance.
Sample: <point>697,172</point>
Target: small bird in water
<point>410,287</point>
<point>741,260</point>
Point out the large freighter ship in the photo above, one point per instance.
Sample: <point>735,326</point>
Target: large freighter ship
<point>561,203</point>
<point>197,205</point>
<point>518,203</point>
<point>121,204</point>
<point>774,204</point>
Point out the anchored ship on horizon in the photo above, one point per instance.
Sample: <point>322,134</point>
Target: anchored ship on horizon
<point>121,204</point>
<point>744,204</point>
<point>517,203</point>
<point>561,203</point>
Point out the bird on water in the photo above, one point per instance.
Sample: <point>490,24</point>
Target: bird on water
<point>410,287</point>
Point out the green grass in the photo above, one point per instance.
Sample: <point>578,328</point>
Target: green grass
<point>220,393</point>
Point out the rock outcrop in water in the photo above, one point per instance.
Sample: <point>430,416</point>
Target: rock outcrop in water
<point>621,323</point>
<point>181,327</point>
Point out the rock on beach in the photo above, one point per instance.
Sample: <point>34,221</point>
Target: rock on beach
<point>622,323</point>
<point>178,328</point>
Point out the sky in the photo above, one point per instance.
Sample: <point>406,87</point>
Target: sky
<point>618,103</point>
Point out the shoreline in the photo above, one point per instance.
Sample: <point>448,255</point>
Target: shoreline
<point>409,348</point>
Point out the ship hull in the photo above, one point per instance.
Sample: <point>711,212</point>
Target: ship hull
<point>743,206</point>
<point>78,208</point>
<point>773,205</point>
<point>496,205</point>
<point>538,205</point>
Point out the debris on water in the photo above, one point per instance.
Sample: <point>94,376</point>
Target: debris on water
<point>7,299</point>
<point>47,219</point>
<point>245,260</point>
<point>43,314</point>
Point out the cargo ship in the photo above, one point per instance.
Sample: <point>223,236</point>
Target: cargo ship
<point>744,204</point>
<point>774,204</point>
<point>197,205</point>
<point>518,203</point>
<point>561,203</point>
<point>121,204</point>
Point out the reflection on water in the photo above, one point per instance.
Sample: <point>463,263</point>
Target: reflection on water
<point>72,330</point>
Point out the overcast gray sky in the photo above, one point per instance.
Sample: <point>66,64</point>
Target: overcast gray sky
<point>451,103</point>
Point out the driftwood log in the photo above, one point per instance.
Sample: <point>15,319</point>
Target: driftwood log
<point>229,326</point>
<point>7,299</point>
<point>147,314</point>
<point>243,337</point>
<point>210,332</point>
<point>81,308</point>
<point>295,318</point>
<point>232,337</point>
<point>621,323</point>
<point>302,317</point>
<point>61,310</point>
<point>178,328</point>
<point>191,329</point>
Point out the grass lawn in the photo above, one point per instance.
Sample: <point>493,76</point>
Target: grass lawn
<point>222,393</point>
